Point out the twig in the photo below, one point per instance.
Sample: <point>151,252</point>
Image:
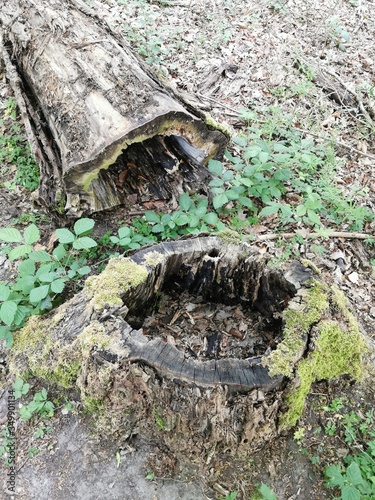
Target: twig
<point>339,143</point>
<point>354,94</point>
<point>218,103</point>
<point>309,236</point>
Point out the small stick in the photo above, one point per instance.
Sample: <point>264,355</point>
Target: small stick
<point>333,234</point>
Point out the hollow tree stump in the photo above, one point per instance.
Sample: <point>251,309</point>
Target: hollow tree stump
<point>107,342</point>
<point>101,125</point>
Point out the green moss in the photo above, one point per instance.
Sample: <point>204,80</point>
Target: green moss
<point>119,276</point>
<point>36,354</point>
<point>311,265</point>
<point>93,405</point>
<point>230,236</point>
<point>210,122</point>
<point>339,350</point>
<point>297,325</point>
<point>154,258</point>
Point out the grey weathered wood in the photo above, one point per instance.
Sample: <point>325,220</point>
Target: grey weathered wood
<point>101,125</point>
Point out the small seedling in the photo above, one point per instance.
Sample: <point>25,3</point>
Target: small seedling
<point>20,388</point>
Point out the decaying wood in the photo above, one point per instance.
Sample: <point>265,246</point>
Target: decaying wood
<point>116,362</point>
<point>101,126</point>
<point>97,343</point>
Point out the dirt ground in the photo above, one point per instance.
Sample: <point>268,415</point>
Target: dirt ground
<point>230,55</point>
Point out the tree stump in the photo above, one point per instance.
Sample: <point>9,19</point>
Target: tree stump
<point>111,343</point>
<point>101,126</point>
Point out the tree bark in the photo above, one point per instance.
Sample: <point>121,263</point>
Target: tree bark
<point>101,125</point>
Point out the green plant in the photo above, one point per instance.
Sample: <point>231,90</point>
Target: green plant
<point>38,406</point>
<point>41,276</point>
<point>158,420</point>
<point>42,430</point>
<point>192,218</point>
<point>355,478</point>
<point>15,150</point>
<point>265,493</point>
<point>6,444</point>
<point>129,239</point>
<point>20,388</point>
<point>338,33</point>
<point>231,496</point>
<point>351,480</point>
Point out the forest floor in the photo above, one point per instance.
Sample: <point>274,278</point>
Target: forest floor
<point>301,65</point>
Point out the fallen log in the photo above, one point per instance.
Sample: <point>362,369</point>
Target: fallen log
<point>101,126</point>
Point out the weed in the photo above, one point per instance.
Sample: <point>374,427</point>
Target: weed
<point>15,150</point>
<point>41,276</point>
<point>40,405</point>
<point>355,477</point>
<point>6,444</point>
<point>263,492</point>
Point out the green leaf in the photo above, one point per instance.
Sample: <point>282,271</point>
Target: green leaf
<point>219,200</point>
<point>21,313</point>
<point>83,243</point>
<point>246,202</point>
<point>215,167</point>
<point>59,252</point>
<point>353,474</point>
<point>266,492</point>
<point>124,242</point>
<point>313,217</point>
<point>7,336</point>
<point>334,475</point>
<point>31,234</point>
<point>166,218</point>
<point>228,175</point>
<point>232,194</point>
<point>8,311</point>
<point>83,270</point>
<point>211,218</point>
<point>83,226</point>
<point>115,240</point>
<point>185,202</point>
<point>4,292</point>
<point>47,277</point>
<point>19,252</point>
<point>216,183</point>
<point>201,208</point>
<point>38,293</point>
<point>25,284</point>
<point>241,141</point>
<point>246,181</point>
<point>58,285</point>
<point>301,210</point>
<point>40,256</point>
<point>151,216</point>
<point>158,228</point>
<point>263,157</point>
<point>25,413</point>
<point>65,236</point>
<point>10,235</point>
<point>45,268</point>
<point>350,492</point>
<point>26,267</point>
<point>124,232</point>
<point>182,219</point>
<point>270,210</point>
<point>252,152</point>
